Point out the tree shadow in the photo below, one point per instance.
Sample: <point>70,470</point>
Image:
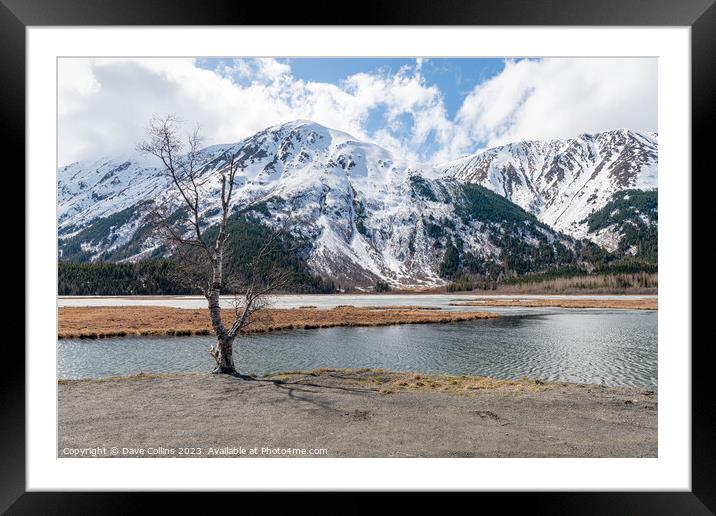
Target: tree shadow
<point>302,390</point>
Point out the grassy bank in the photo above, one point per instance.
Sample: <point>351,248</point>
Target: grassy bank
<point>377,380</point>
<point>99,322</point>
<point>390,382</point>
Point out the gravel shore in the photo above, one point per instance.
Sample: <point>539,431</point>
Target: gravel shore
<point>351,413</point>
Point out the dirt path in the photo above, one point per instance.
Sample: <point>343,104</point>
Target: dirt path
<point>353,413</point>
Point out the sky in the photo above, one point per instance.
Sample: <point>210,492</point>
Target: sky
<point>425,110</point>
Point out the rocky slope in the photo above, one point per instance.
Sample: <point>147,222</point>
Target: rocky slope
<point>565,181</point>
<point>361,213</point>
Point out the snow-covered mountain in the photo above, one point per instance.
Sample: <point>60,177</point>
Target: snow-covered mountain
<point>363,213</point>
<point>564,181</point>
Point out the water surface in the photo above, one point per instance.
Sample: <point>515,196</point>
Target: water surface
<point>610,347</point>
<point>323,300</point>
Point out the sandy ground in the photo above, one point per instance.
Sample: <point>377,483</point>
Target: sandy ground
<point>352,413</point>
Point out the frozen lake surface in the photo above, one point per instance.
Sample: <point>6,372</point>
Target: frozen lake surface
<point>320,301</point>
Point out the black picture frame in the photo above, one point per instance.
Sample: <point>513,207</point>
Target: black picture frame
<point>700,15</point>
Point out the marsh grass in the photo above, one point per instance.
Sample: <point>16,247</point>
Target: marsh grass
<point>102,322</point>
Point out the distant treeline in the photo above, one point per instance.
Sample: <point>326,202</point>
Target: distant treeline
<point>149,277</point>
<point>159,276</point>
<point>143,278</point>
<point>617,275</point>
<point>622,266</point>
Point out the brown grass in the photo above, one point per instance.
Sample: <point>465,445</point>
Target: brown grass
<point>623,283</point>
<point>100,322</point>
<point>129,377</point>
<point>390,382</point>
<point>378,380</point>
<point>632,304</point>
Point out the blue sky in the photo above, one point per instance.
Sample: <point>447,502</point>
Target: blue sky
<point>455,77</point>
<point>427,110</point>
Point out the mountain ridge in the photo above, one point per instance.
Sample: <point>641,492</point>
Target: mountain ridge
<point>368,214</point>
<point>563,181</point>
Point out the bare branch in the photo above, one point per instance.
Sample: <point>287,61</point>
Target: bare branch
<point>209,266</point>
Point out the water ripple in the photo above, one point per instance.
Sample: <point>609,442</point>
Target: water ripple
<point>610,348</point>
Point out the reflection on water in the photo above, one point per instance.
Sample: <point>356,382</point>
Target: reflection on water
<point>586,346</point>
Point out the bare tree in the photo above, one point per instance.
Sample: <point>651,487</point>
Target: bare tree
<point>199,248</point>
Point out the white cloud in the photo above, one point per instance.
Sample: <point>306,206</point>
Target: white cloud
<point>260,69</point>
<point>105,104</point>
<point>557,98</point>
<point>74,81</point>
<point>111,118</point>
<point>106,112</point>
<point>272,69</point>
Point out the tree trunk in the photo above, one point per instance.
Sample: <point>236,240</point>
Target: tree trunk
<point>215,313</point>
<point>222,351</point>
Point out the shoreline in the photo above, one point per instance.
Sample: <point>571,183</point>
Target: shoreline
<point>93,322</point>
<point>385,381</point>
<point>517,302</point>
<point>358,413</point>
<point>121,321</point>
<point>476,292</point>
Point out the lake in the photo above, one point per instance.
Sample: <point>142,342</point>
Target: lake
<point>321,300</point>
<point>610,347</point>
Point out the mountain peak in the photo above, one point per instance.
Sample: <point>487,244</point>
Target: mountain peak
<point>365,213</point>
<point>564,180</point>
<point>296,124</point>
